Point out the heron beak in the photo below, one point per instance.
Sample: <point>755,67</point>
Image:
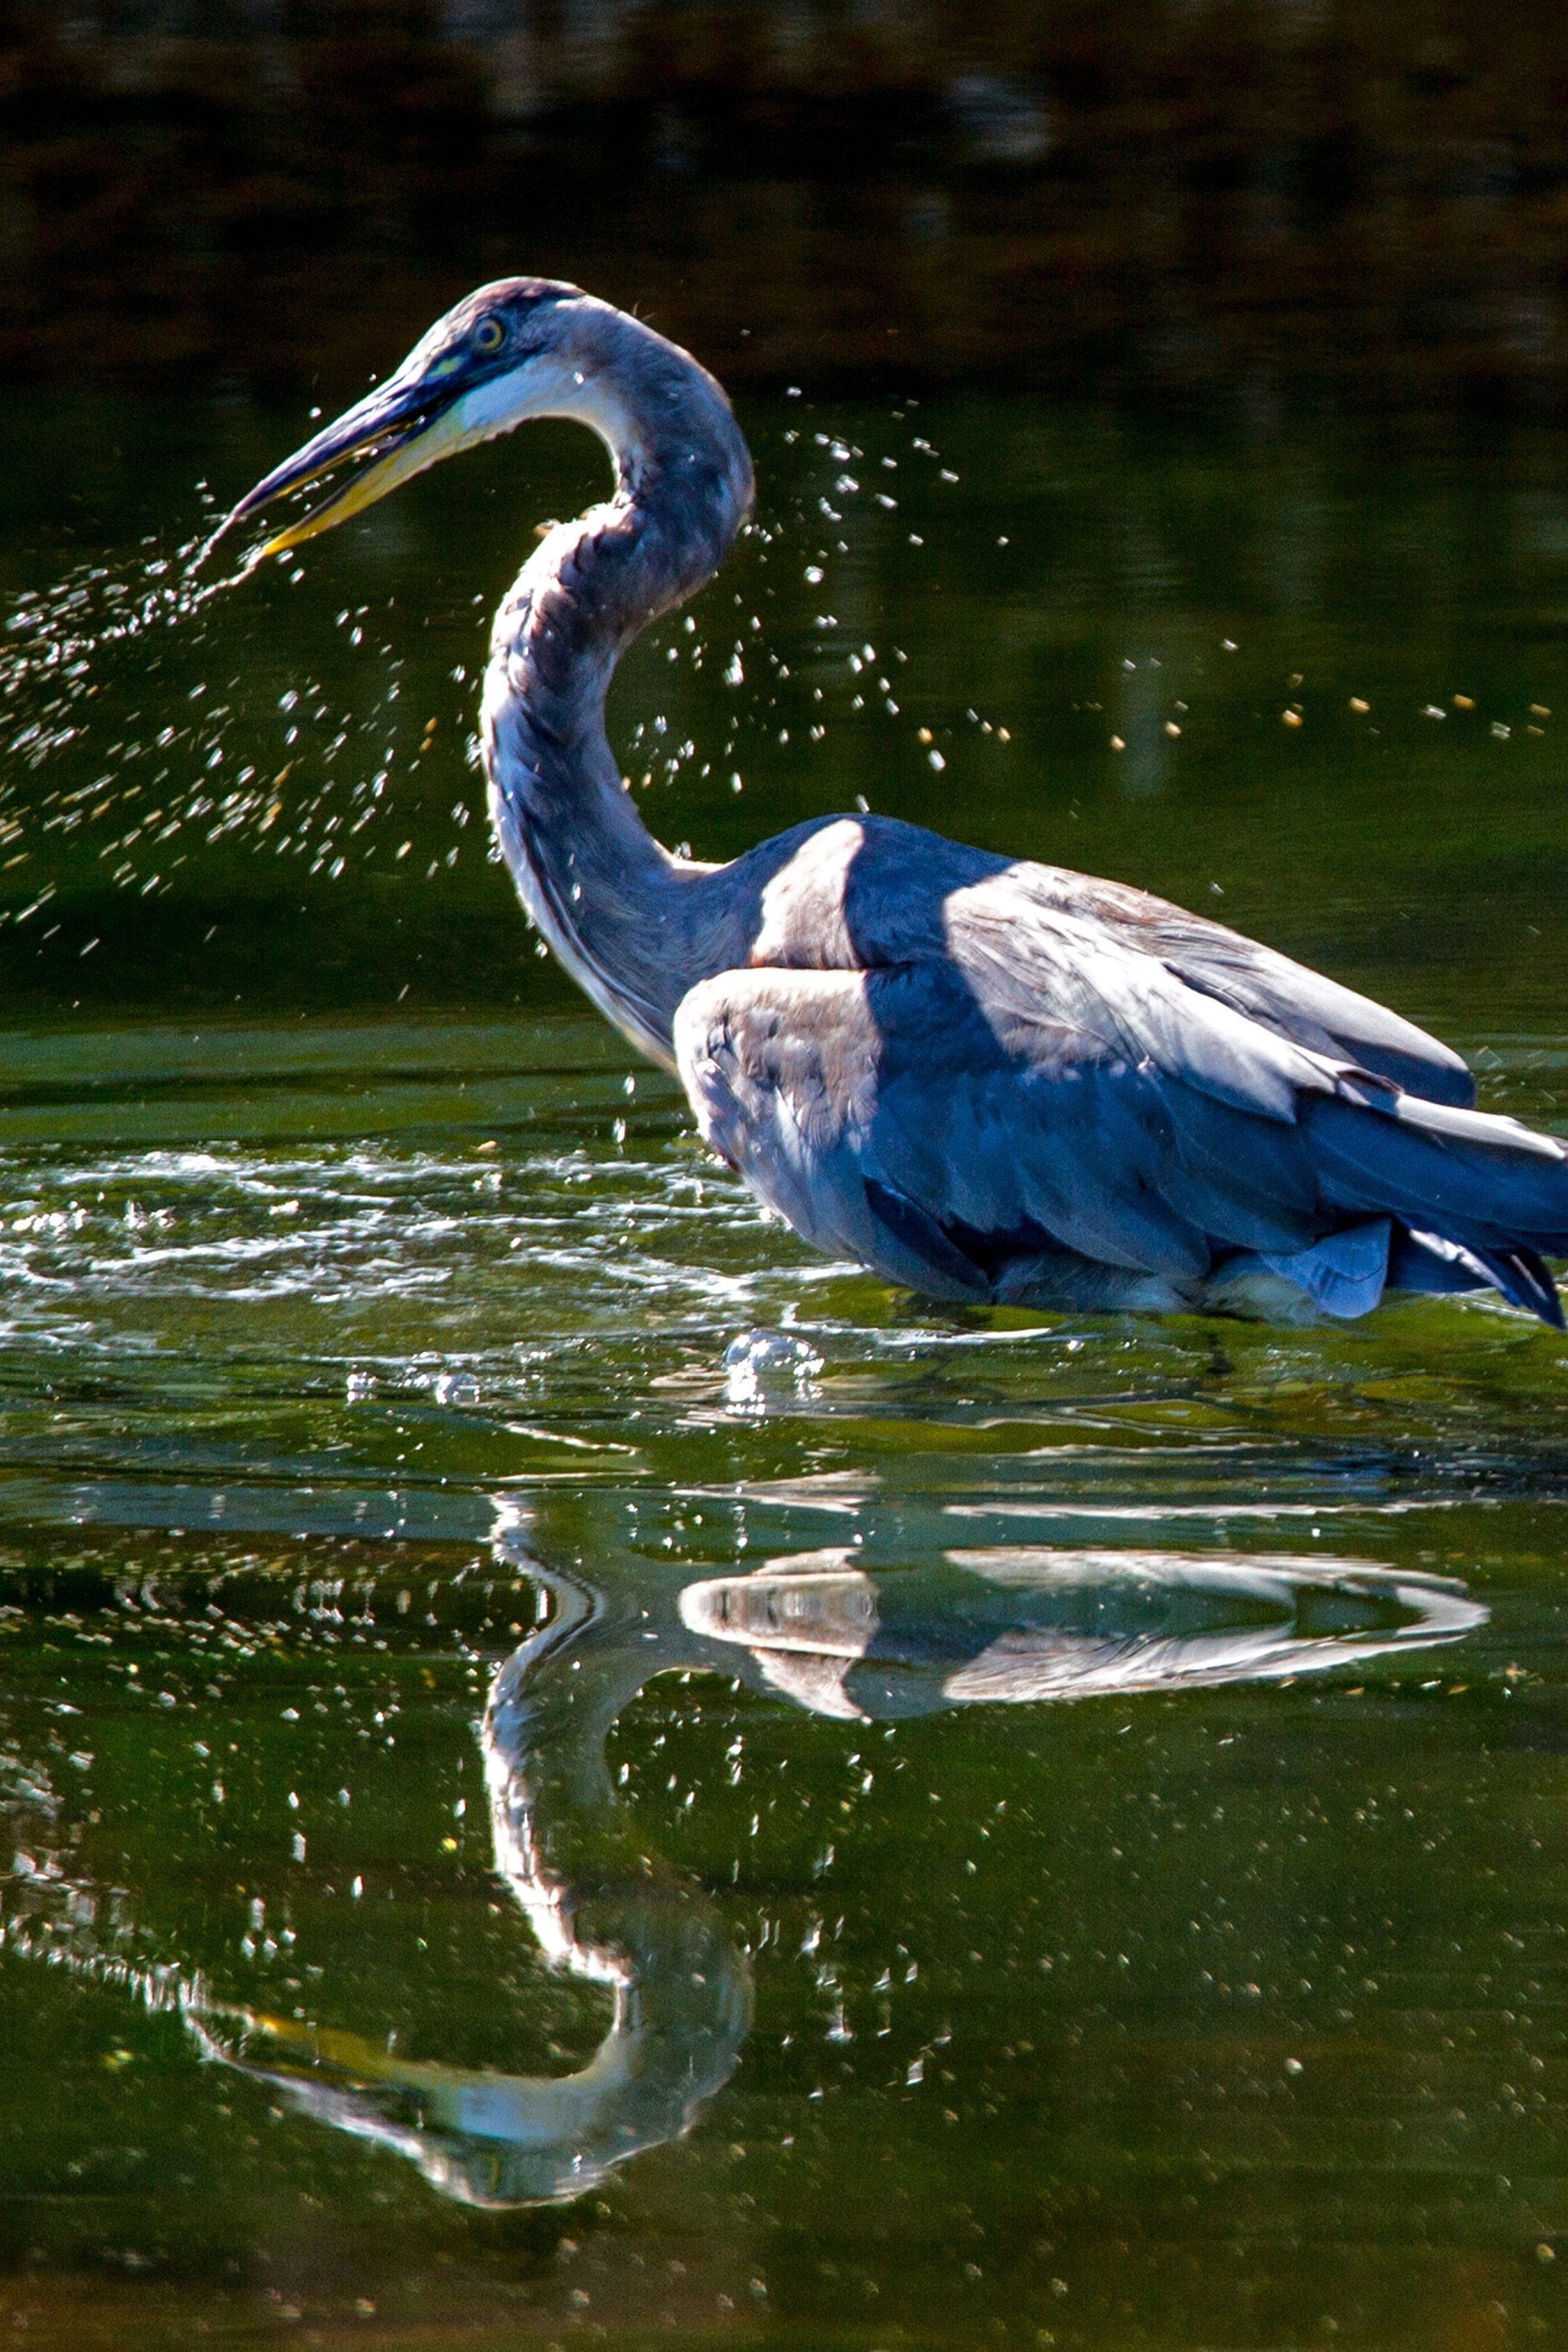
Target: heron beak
<point>399,429</point>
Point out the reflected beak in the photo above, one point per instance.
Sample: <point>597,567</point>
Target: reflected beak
<point>398,430</point>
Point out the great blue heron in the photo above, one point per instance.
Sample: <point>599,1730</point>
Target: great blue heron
<point>982,1077</point>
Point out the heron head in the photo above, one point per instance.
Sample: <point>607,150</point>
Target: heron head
<point>522,348</point>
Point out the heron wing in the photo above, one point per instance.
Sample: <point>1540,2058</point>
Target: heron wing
<point>871,892</point>
<point>1268,988</point>
<point>947,1119</point>
<point>890,1118</point>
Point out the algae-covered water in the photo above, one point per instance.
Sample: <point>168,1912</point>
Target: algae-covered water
<point>1104,1883</point>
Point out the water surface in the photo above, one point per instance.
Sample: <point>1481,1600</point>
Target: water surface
<point>1103,1883</point>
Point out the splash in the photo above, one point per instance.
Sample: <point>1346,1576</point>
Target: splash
<point>156,720</point>
<point>139,735</point>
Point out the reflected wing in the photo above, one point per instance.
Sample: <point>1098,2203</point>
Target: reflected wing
<point>1050,1623</point>
<point>1044,1092</point>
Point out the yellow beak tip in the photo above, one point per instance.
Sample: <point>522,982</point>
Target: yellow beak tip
<point>410,456</point>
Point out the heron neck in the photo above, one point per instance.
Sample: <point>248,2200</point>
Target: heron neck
<point>617,909</point>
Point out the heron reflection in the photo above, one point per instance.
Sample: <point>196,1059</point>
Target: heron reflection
<point>841,1639</point>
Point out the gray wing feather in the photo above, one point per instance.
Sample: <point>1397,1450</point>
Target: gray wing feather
<point>871,893</point>
<point>1258,982</point>
<point>943,1119</point>
<point>1120,1137</point>
<point>1031,971</point>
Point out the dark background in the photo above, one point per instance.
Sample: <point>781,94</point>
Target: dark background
<point>1089,195</point>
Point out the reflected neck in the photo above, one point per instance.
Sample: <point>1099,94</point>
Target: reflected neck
<point>608,897</point>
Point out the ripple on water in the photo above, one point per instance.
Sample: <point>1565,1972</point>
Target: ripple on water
<point>409,1298</point>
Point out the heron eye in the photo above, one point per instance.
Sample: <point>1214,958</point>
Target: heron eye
<point>489,335</point>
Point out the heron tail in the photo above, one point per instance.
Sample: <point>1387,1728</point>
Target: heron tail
<point>1476,1198</point>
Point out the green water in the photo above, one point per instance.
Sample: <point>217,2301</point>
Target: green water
<point>1111,1889</point>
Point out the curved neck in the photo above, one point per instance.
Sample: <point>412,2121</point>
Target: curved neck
<point>613,903</point>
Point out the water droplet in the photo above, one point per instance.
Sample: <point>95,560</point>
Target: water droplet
<point>763,1363</point>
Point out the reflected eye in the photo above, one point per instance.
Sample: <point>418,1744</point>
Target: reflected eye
<point>489,335</point>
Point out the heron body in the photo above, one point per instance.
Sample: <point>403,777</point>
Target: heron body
<point>984,1078</point>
